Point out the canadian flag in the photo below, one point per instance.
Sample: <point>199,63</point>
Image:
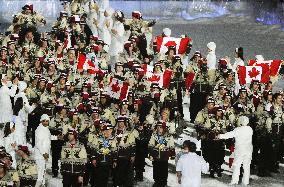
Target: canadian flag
<point>274,65</point>
<point>86,64</point>
<point>249,73</point>
<point>117,89</point>
<point>180,43</point>
<point>163,79</point>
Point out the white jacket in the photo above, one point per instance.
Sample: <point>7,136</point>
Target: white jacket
<point>6,110</point>
<point>211,60</point>
<point>20,128</point>
<point>243,140</point>
<point>42,141</point>
<point>191,166</point>
<point>103,30</point>
<point>117,40</point>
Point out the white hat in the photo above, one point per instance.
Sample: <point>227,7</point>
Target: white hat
<point>243,120</point>
<point>211,46</point>
<point>22,86</point>
<point>259,58</point>
<point>44,117</point>
<point>167,32</point>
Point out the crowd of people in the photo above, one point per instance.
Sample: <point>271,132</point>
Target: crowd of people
<point>82,101</point>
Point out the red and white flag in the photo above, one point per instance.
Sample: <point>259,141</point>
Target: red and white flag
<point>180,43</point>
<point>163,79</point>
<point>274,65</point>
<point>86,64</point>
<point>117,89</point>
<point>249,73</point>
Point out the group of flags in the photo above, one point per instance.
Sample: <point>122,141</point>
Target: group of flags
<point>255,70</point>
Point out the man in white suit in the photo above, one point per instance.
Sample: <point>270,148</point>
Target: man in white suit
<point>243,149</point>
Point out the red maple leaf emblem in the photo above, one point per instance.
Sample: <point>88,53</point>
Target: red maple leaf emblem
<point>154,78</point>
<point>170,43</point>
<point>115,87</point>
<point>253,73</point>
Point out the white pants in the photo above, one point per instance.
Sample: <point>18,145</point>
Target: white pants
<point>238,161</point>
<point>42,165</point>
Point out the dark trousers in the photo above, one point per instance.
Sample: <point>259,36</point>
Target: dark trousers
<point>197,102</point>
<point>27,183</point>
<point>70,180</point>
<point>88,176</point>
<point>101,175</point>
<point>124,173</point>
<point>160,173</point>
<point>214,153</point>
<point>277,145</point>
<point>34,120</point>
<point>56,146</point>
<point>141,154</point>
<point>265,159</point>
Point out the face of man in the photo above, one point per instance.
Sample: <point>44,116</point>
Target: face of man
<point>71,137</point>
<point>243,95</point>
<point>210,106</point>
<point>95,116</point>
<point>119,68</point>
<point>45,123</point>
<point>222,90</point>
<point>230,78</point>
<point>269,98</point>
<point>227,99</point>
<point>160,130</point>
<point>255,87</point>
<point>12,47</point>
<point>121,125</point>
<point>71,54</point>
<point>165,115</point>
<point>279,100</point>
<point>108,133</point>
<point>3,53</point>
<point>29,36</point>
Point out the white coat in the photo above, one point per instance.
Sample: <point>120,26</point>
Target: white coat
<point>20,128</point>
<point>42,146</point>
<point>6,110</point>
<point>243,152</point>
<point>211,60</point>
<point>117,40</point>
<point>104,31</point>
<point>191,166</point>
<point>10,139</point>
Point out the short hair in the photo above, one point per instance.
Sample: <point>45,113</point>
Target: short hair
<point>190,145</point>
<point>186,143</point>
